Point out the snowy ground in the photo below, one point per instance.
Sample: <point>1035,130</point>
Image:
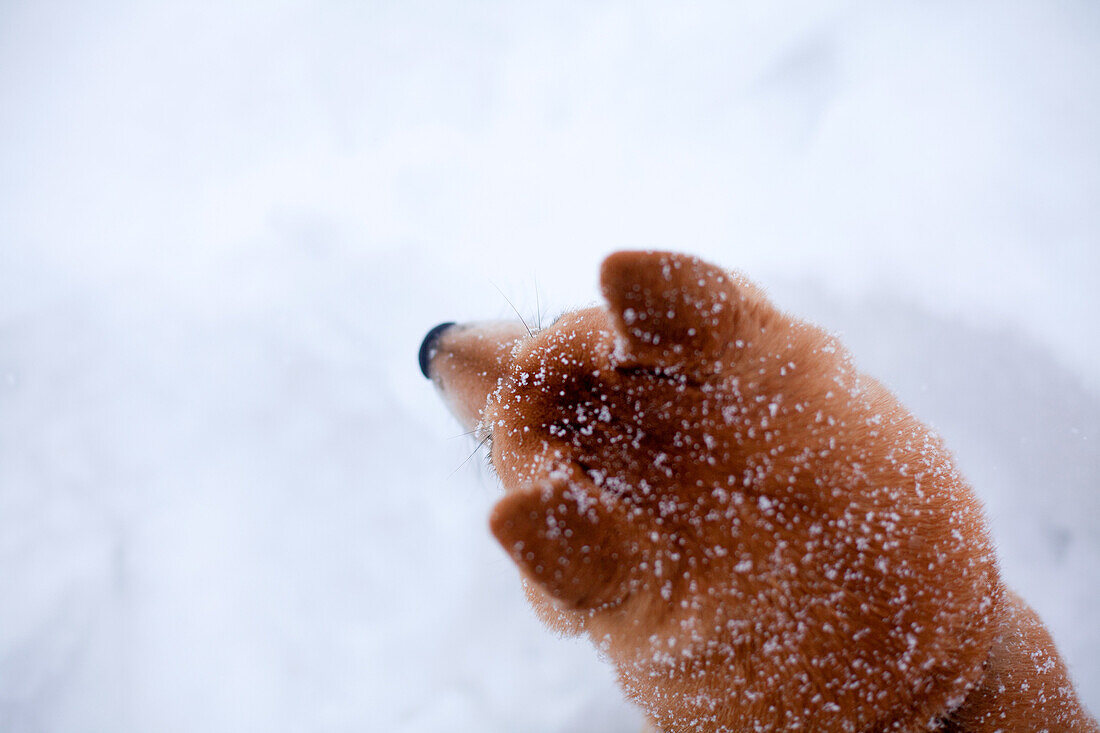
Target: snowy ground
<point>228,499</point>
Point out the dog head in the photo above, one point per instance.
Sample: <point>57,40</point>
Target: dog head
<point>752,531</point>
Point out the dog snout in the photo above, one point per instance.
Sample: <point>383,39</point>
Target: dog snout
<point>429,345</point>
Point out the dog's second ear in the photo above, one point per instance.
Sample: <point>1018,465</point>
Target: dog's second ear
<point>672,309</point>
<point>570,539</point>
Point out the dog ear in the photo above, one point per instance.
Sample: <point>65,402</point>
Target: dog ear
<point>570,539</point>
<point>673,309</point>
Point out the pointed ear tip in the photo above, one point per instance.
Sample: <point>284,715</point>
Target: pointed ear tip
<point>631,259</point>
<point>510,516</point>
<point>628,256</point>
<point>622,270</point>
<point>614,263</point>
<point>502,520</point>
<point>622,267</point>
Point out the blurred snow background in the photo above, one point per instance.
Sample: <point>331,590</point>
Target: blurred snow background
<point>228,499</point>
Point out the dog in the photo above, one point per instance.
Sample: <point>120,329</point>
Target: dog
<point>756,535</point>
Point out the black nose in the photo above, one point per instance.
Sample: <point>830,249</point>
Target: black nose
<point>427,347</point>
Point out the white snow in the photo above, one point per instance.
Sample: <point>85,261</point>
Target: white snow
<point>228,499</point>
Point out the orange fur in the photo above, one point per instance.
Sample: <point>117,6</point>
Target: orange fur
<point>758,537</point>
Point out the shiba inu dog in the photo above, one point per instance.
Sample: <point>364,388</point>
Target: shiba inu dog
<point>756,535</point>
